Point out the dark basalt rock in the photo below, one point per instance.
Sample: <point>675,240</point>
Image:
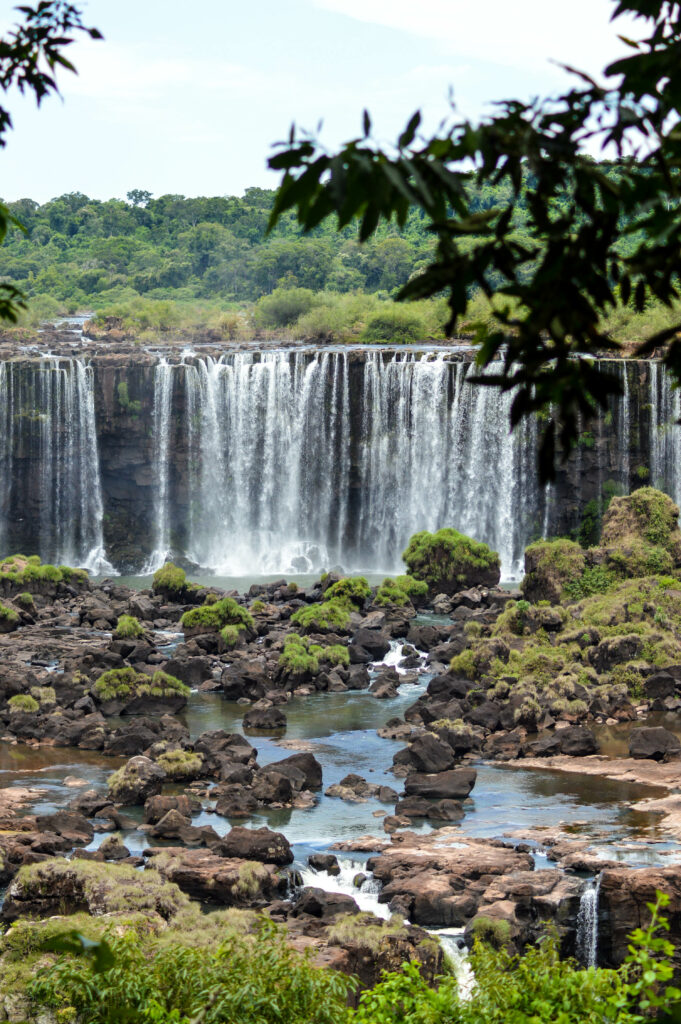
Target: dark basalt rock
<point>259,844</point>
<point>449,785</point>
<point>265,719</point>
<point>658,744</point>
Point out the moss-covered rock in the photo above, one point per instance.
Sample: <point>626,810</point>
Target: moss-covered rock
<point>325,617</point>
<point>448,561</point>
<point>58,886</point>
<point>641,534</point>
<point>353,590</point>
<point>401,591</point>
<point>136,781</point>
<point>549,565</point>
<point>170,581</point>
<point>212,618</point>
<point>181,765</point>
<point>127,691</point>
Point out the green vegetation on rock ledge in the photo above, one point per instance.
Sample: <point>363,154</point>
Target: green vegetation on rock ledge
<point>170,580</point>
<point>300,657</point>
<point>218,614</point>
<point>323,617</point>
<point>19,569</point>
<point>448,561</point>
<point>23,702</point>
<point>400,591</point>
<point>352,590</point>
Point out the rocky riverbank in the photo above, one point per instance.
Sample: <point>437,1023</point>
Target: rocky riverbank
<point>108,670</point>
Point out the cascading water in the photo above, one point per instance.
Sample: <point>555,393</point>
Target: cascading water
<point>587,924</point>
<point>50,461</point>
<point>665,435</point>
<point>163,396</point>
<point>279,482</point>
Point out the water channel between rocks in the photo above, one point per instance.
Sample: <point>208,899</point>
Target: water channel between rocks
<point>340,730</point>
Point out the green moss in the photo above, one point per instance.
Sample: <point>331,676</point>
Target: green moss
<point>593,580</point>
<point>322,617</point>
<point>123,683</point>
<point>128,628</point>
<point>45,695</point>
<point>170,580</point>
<point>18,569</point>
<point>464,664</point>
<point>8,614</point>
<point>449,561</point>
<point>23,702</point>
<point>641,533</point>
<point>181,764</point>
<point>133,408</point>
<point>257,607</point>
<point>25,600</point>
<point>352,590</point>
<point>226,612</point>
<point>389,593</point>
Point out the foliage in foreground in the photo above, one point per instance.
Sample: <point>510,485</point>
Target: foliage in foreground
<point>132,976</point>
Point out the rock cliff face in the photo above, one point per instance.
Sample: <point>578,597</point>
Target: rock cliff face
<point>297,459</point>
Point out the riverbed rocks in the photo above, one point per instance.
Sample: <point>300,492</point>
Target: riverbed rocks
<point>454,784</point>
<point>216,879</point>
<point>137,780</point>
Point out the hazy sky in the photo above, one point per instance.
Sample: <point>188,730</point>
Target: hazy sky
<point>188,97</point>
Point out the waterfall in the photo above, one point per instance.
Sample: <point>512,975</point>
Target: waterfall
<point>163,394</point>
<point>294,466</point>
<point>587,923</point>
<point>624,428</point>
<point>50,461</point>
<point>665,435</point>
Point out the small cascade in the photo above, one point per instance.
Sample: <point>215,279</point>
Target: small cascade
<point>624,427</point>
<point>587,924</point>
<point>455,953</point>
<point>366,896</point>
<point>163,395</point>
<point>50,461</point>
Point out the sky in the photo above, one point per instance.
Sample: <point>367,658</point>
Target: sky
<point>188,98</point>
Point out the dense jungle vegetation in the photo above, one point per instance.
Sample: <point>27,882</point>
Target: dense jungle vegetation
<point>178,263</point>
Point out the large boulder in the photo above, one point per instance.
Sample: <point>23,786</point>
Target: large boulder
<point>455,784</point>
<point>265,719</point>
<point>231,882</point>
<point>549,565</point>
<point>259,844</point>
<point>304,770</point>
<point>657,744</point>
<point>429,754</point>
<point>136,781</point>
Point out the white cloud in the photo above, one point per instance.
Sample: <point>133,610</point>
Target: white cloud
<point>523,34</point>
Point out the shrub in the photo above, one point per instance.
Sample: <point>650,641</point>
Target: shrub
<point>230,636</point>
<point>394,324</point>
<point>257,606</point>
<point>23,702</point>
<point>351,590</point>
<point>299,657</point>
<point>25,600</point>
<point>226,612</point>
<point>448,561</point>
<point>170,580</point>
<point>128,628</point>
<point>594,580</point>
<point>283,306</point>
<point>335,654</point>
<point>324,617</point>
<point>390,593</point>
<point>252,979</point>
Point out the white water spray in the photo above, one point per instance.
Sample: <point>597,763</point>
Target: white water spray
<point>587,923</point>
